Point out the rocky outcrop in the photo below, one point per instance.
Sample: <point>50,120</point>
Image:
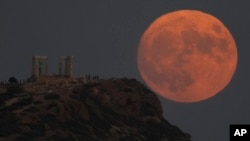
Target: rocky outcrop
<point>106,110</point>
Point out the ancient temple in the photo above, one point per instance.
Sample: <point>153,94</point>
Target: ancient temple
<point>40,66</point>
<point>65,66</point>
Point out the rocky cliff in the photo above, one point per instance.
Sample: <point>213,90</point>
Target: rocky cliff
<point>106,110</point>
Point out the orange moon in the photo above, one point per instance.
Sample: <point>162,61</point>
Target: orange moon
<point>187,56</point>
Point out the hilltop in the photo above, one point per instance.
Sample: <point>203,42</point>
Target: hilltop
<point>80,109</point>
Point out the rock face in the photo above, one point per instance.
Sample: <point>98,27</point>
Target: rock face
<point>107,110</point>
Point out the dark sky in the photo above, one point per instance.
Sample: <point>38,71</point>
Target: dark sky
<point>103,37</point>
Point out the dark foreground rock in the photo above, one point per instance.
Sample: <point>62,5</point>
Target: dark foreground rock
<point>107,110</point>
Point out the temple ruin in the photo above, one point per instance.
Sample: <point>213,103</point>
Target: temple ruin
<point>40,66</point>
<point>65,65</point>
<point>41,81</point>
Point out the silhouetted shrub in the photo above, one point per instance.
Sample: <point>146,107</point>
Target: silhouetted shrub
<point>12,80</point>
<point>8,124</point>
<point>74,96</point>
<point>14,89</point>
<point>148,109</point>
<point>127,90</point>
<point>24,138</point>
<point>52,105</point>
<point>57,138</point>
<point>31,109</point>
<point>129,82</point>
<point>38,102</point>
<point>146,90</point>
<point>39,128</point>
<point>52,96</point>
<point>2,102</point>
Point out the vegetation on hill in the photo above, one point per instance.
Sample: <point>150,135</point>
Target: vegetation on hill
<point>106,110</point>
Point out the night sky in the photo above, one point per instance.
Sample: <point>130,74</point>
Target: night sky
<point>103,37</point>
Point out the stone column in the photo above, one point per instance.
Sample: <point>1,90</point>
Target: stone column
<point>60,65</point>
<point>46,67</point>
<point>35,66</point>
<point>40,66</point>
<point>69,66</point>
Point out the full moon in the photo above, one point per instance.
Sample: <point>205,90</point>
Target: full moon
<point>187,56</point>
